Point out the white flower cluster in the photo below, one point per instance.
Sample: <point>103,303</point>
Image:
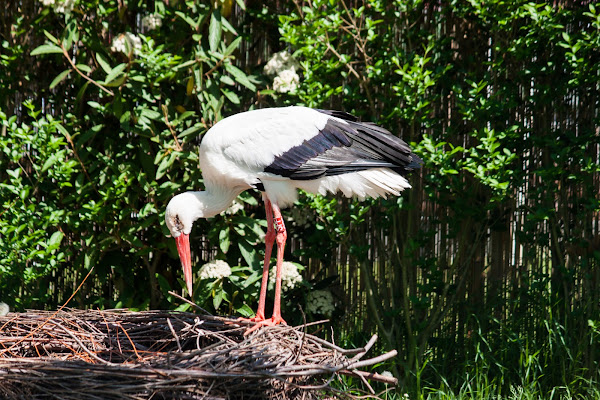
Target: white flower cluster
<point>320,302</point>
<point>290,275</point>
<point>4,309</point>
<point>60,6</point>
<point>280,62</point>
<point>215,269</point>
<point>388,374</point>
<point>152,21</point>
<point>283,66</point>
<point>286,81</point>
<point>234,208</point>
<point>126,43</point>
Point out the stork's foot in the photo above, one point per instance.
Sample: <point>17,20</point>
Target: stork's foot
<point>274,320</point>
<point>257,318</point>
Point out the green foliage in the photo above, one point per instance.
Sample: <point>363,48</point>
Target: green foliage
<point>31,229</point>
<point>87,188</point>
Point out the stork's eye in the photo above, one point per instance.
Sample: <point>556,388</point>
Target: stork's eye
<point>178,223</point>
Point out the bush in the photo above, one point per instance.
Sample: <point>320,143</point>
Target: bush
<point>123,109</point>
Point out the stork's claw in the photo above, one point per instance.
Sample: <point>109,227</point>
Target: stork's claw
<point>274,320</point>
<point>257,318</point>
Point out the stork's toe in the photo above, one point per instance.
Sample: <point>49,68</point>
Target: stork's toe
<point>274,320</point>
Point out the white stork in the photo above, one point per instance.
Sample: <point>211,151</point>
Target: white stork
<point>280,150</point>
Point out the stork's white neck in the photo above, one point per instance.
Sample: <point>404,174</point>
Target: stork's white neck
<point>210,203</point>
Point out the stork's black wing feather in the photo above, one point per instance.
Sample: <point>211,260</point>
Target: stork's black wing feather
<point>345,147</point>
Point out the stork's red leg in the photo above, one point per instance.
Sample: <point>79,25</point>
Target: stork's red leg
<point>269,239</point>
<point>280,236</point>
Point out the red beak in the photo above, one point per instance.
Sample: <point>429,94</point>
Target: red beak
<point>183,247</point>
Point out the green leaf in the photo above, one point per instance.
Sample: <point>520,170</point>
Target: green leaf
<point>233,46</point>
<point>84,68</point>
<point>227,26</point>
<point>224,240</point>
<point>103,63</point>
<point>14,172</point>
<point>63,130</point>
<point>164,165</point>
<point>218,298</point>
<point>251,280</point>
<point>49,162</point>
<point>215,30</point>
<point>71,34</point>
<point>185,64</point>
<point>245,311</point>
<point>116,71</point>
<point>248,252</point>
<point>55,240</point>
<point>240,76</point>
<point>154,115</point>
<point>226,79</point>
<point>59,78</point>
<point>231,96</point>
<point>81,92</point>
<point>183,307</point>
<point>190,131</point>
<point>241,4</point>
<point>51,38</point>
<point>46,49</point>
<point>187,19</point>
<point>95,104</point>
<point>248,198</point>
<point>117,82</point>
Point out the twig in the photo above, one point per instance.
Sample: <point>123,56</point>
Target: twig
<point>84,76</point>
<point>174,334</point>
<point>166,115</point>
<point>371,375</point>
<point>191,303</point>
<point>364,380</point>
<point>375,360</point>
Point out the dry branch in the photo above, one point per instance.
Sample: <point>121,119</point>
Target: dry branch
<point>114,354</point>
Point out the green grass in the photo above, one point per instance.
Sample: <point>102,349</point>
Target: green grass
<point>470,391</point>
<point>501,363</point>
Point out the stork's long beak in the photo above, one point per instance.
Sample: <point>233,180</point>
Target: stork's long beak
<point>183,247</point>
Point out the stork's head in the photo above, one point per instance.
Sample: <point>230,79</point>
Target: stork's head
<point>180,215</point>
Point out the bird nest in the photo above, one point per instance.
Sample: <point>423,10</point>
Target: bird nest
<point>119,354</point>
